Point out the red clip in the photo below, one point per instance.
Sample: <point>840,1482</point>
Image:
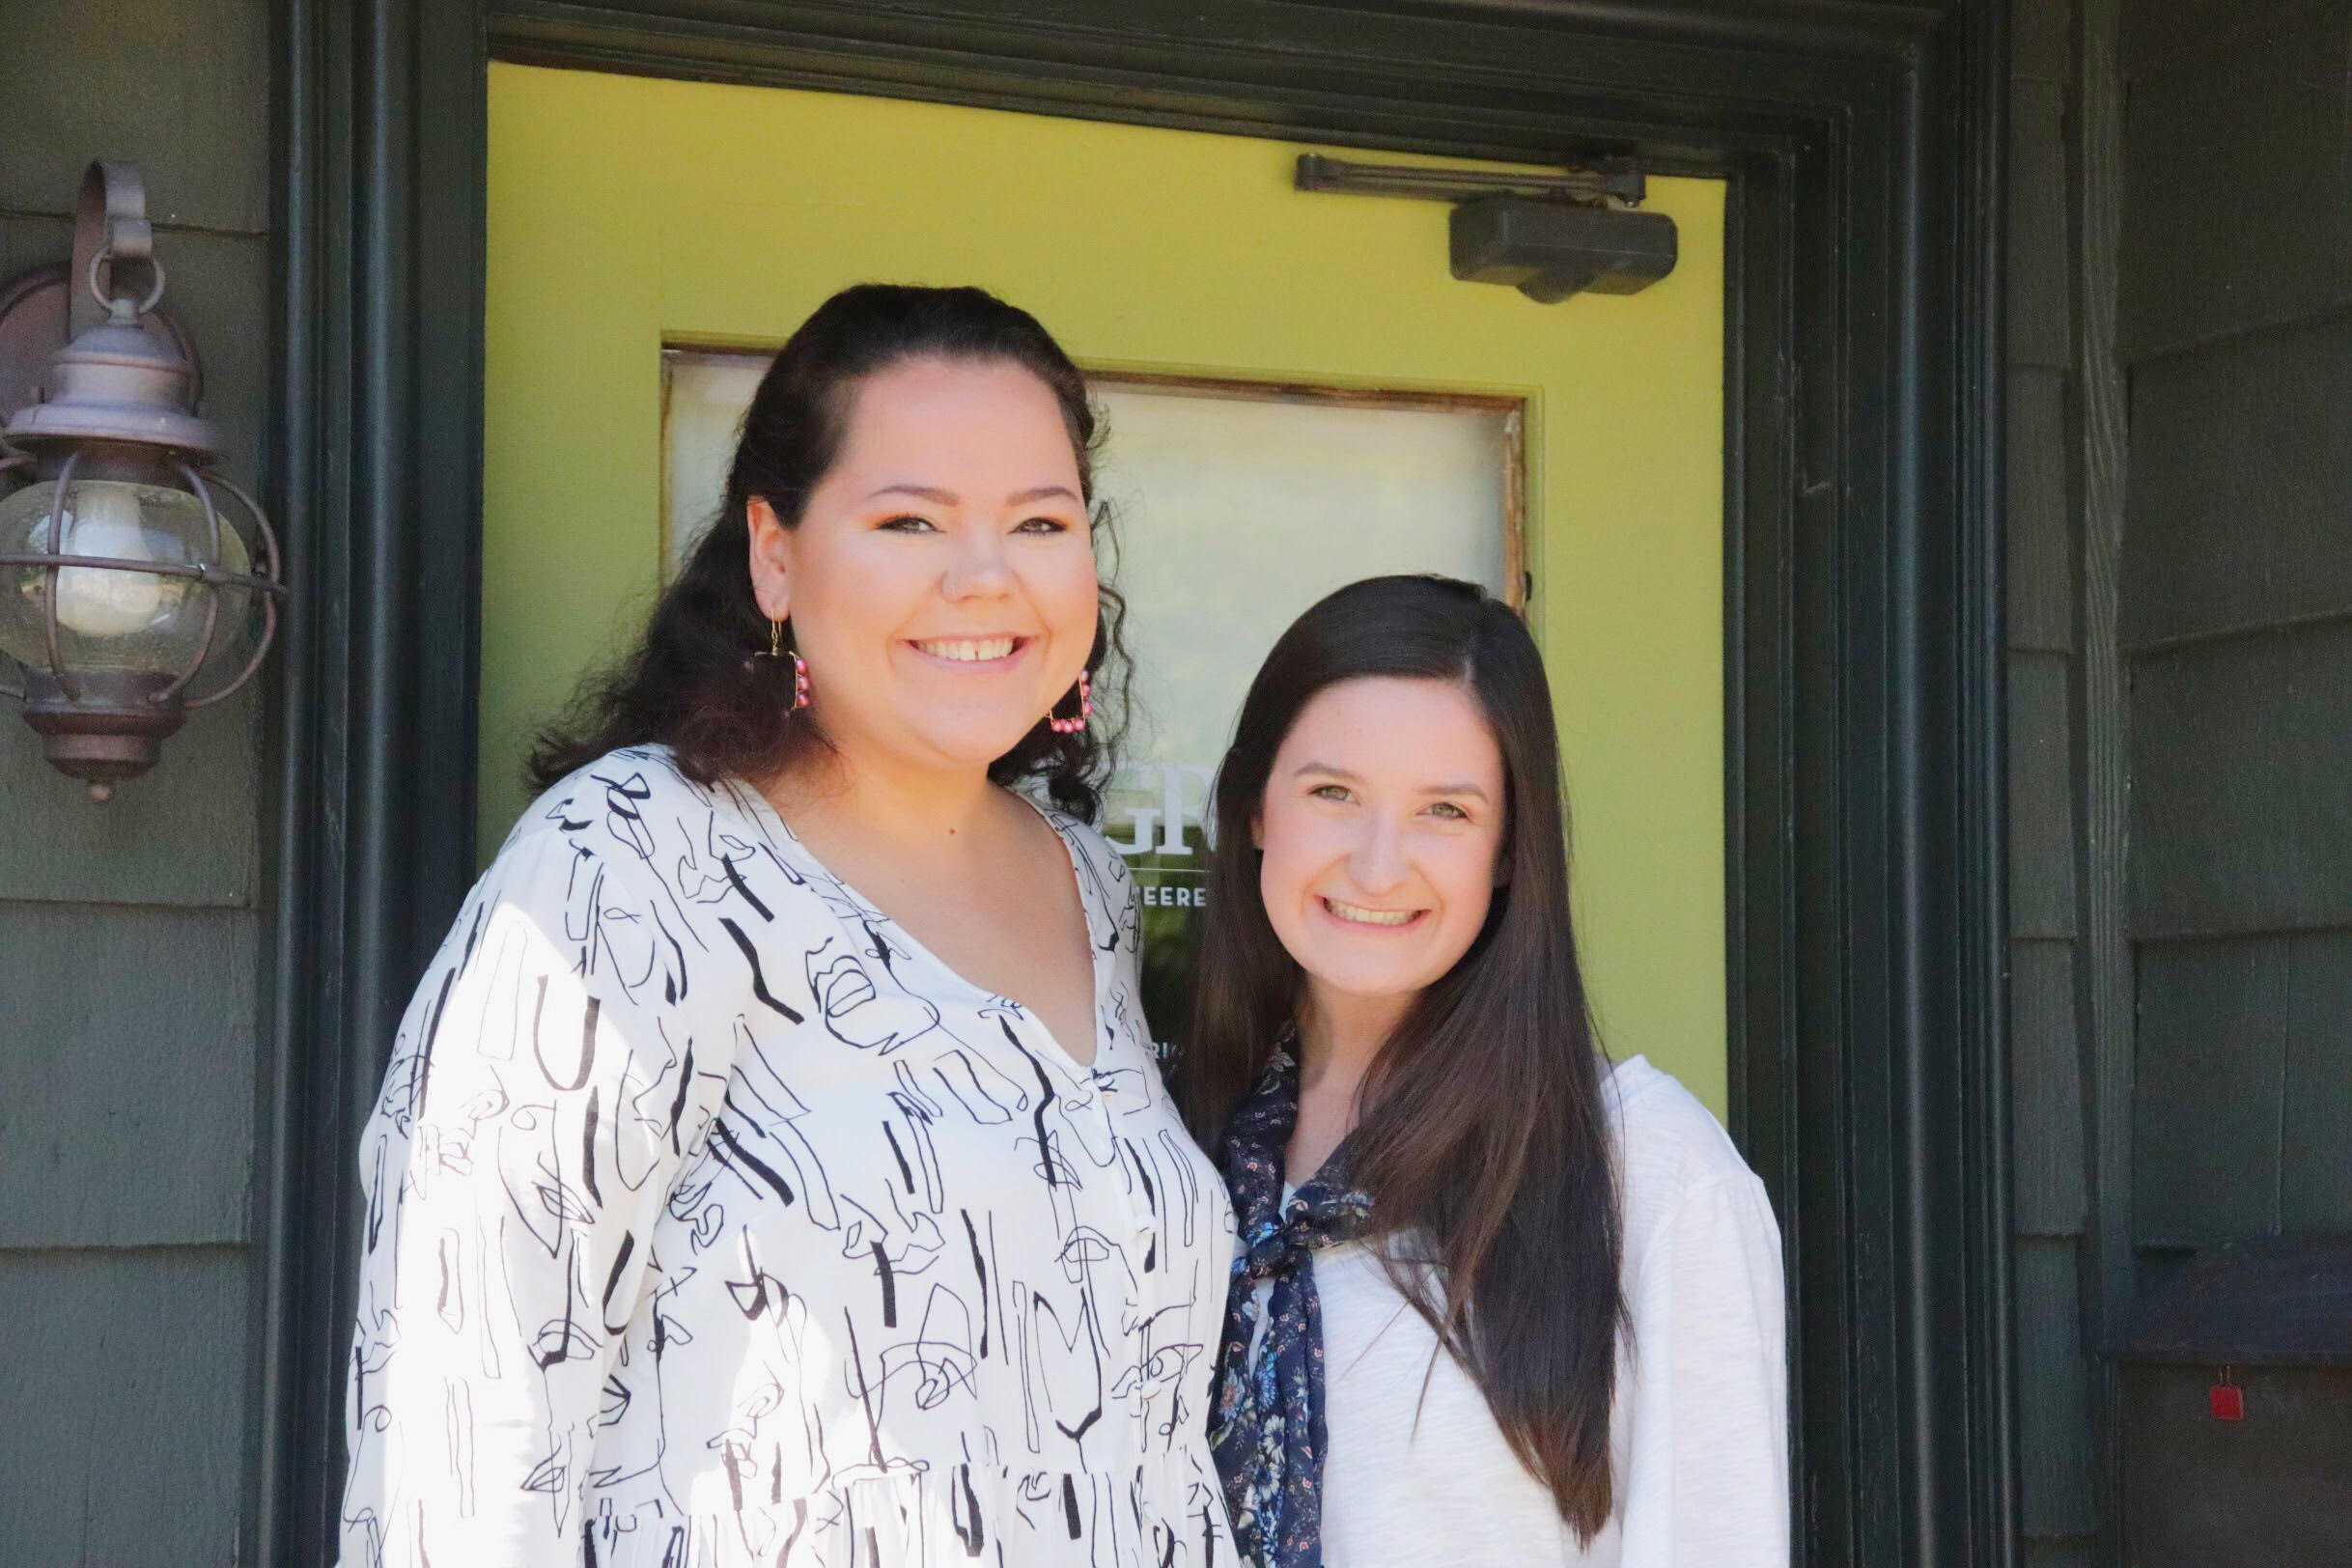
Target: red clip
<point>2226,1399</point>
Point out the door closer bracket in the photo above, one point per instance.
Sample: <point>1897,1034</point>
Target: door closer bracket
<point>1549,236</point>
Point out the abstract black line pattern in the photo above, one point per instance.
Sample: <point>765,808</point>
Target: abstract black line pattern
<point>714,1222</point>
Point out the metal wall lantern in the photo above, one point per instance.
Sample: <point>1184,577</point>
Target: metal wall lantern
<point>132,574</point>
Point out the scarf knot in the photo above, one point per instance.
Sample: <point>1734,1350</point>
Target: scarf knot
<point>1282,1247</point>
<point>1266,1427</point>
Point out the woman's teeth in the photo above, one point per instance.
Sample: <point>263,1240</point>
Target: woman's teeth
<point>1362,916</point>
<point>970,651</point>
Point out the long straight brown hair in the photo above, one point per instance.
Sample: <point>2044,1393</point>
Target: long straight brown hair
<point>1481,1135</point>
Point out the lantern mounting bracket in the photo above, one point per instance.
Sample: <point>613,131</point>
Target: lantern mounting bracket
<point>47,306</point>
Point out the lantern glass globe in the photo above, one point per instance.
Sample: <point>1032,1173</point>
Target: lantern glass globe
<point>118,618</point>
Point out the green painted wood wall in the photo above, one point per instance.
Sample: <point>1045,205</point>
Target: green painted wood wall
<point>132,934</point>
<point>2048,972</point>
<point>2180,631</point>
<point>2235,321</point>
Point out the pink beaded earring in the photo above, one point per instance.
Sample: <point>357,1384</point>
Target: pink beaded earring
<point>1072,726</point>
<point>799,666</point>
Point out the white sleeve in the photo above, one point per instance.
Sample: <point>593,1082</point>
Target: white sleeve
<point>1706,1477</point>
<point>544,1090</point>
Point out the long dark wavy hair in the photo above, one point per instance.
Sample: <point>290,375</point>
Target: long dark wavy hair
<point>693,682</point>
<point>1481,1135</point>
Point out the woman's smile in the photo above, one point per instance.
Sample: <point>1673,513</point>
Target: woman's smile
<point>1369,920</point>
<point>986,654</point>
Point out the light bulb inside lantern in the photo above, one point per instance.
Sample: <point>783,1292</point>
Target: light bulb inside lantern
<point>106,520</point>
<point>107,617</point>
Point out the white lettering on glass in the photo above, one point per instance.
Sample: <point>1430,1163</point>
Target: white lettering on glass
<point>1180,794</point>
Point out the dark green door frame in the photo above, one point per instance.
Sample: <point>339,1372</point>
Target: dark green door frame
<point>1862,143</point>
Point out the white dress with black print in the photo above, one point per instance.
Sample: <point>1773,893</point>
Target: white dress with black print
<point>712,1221</point>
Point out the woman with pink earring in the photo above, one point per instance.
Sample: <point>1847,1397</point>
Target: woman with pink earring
<point>774,1166</point>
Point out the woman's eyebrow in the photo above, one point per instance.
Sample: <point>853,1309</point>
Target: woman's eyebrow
<point>1455,788</point>
<point>943,497</point>
<point>927,492</point>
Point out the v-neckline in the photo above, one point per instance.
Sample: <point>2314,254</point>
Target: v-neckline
<point>764,814</point>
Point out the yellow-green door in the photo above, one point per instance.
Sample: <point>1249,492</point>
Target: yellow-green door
<point>628,216</point>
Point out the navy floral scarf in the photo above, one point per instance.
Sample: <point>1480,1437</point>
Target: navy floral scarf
<point>1267,1428</point>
